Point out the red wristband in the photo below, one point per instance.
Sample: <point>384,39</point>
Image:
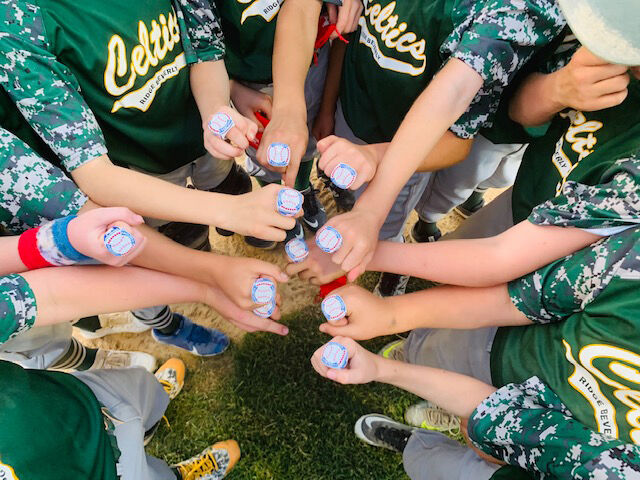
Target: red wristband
<point>28,250</point>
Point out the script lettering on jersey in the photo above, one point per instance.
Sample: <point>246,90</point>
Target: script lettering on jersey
<point>621,375</point>
<point>580,144</point>
<point>7,473</point>
<point>266,9</point>
<point>394,35</point>
<point>122,71</point>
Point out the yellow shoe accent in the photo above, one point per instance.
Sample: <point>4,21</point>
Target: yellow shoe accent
<point>171,376</point>
<point>393,350</point>
<point>214,463</point>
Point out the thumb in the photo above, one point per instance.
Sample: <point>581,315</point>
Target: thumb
<point>332,10</point>
<point>271,270</point>
<point>325,143</point>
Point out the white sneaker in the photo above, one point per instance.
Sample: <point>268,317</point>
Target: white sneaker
<point>431,417</point>
<point>107,359</point>
<point>112,324</point>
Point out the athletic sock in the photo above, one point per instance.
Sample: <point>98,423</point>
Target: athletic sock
<point>177,473</point>
<point>89,324</point>
<point>164,322</point>
<point>303,179</point>
<point>77,357</point>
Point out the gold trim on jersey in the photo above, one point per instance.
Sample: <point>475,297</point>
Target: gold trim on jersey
<point>266,9</point>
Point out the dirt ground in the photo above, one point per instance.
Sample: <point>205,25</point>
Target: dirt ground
<point>295,294</point>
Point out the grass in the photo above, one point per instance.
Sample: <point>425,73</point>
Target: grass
<point>290,423</point>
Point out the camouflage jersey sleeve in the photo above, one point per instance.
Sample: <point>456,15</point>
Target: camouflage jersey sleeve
<point>566,286</point>
<point>44,90</point>
<point>17,307</point>
<point>496,38</point>
<point>202,38</point>
<point>32,191</point>
<point>527,425</point>
<point>612,205</point>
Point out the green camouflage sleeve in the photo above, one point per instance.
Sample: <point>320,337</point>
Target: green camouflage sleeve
<point>32,191</point>
<point>44,90</point>
<point>527,425</point>
<point>17,307</point>
<point>202,38</point>
<point>613,204</point>
<point>566,286</point>
<point>496,38</point>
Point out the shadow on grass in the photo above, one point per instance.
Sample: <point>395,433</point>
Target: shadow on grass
<point>290,423</point>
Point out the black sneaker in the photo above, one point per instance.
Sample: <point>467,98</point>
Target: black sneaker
<point>237,182</point>
<point>259,243</point>
<point>381,431</point>
<point>474,203</point>
<point>390,285</point>
<point>345,199</point>
<point>295,232</point>
<point>425,232</point>
<point>190,235</point>
<point>315,215</point>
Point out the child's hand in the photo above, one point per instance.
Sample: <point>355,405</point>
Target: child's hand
<point>367,317</point>
<point>291,130</point>
<point>317,268</point>
<point>255,214</point>
<point>243,319</point>
<point>248,101</point>
<point>238,136</point>
<point>359,229</point>
<point>323,125</point>
<point>335,150</point>
<point>362,366</point>
<point>86,233</point>
<point>588,83</point>
<point>345,17</point>
<point>235,277</point>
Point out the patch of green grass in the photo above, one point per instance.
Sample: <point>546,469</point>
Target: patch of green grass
<point>290,423</point>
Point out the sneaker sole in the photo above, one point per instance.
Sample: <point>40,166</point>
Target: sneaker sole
<point>103,332</point>
<point>357,429</point>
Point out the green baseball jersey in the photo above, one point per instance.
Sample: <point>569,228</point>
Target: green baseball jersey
<point>580,358</point>
<point>579,167</point>
<point>126,91</point>
<point>52,428</point>
<point>249,28</point>
<point>400,45</point>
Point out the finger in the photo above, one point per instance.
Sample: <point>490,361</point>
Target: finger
<point>332,11</point>
<point>219,148</point>
<point>611,100</point>
<point>291,172</point>
<point>293,269</point>
<point>326,142</point>
<point>238,137</point>
<point>271,233</point>
<point>266,106</point>
<point>353,275</point>
<point>612,85</point>
<point>281,222</point>
<point>329,157</point>
<point>343,376</point>
<point>357,12</point>
<point>266,269</point>
<point>266,325</point>
<point>355,257</point>
<point>307,275</point>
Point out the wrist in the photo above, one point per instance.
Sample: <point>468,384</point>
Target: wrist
<point>386,371</point>
<point>291,110</point>
<point>558,98</point>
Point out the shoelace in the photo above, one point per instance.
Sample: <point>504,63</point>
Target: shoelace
<point>441,420</point>
<point>168,386</point>
<point>205,464</point>
<point>393,437</point>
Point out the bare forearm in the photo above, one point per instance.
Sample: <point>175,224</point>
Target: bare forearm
<point>454,307</point>
<point>72,292</point>
<point>334,75</point>
<point>459,394</point>
<point>445,99</point>
<point>9,258</point>
<point>295,36</point>
<point>210,87</point>
<point>482,262</point>
<point>534,103</point>
<point>112,186</point>
<point>448,151</point>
